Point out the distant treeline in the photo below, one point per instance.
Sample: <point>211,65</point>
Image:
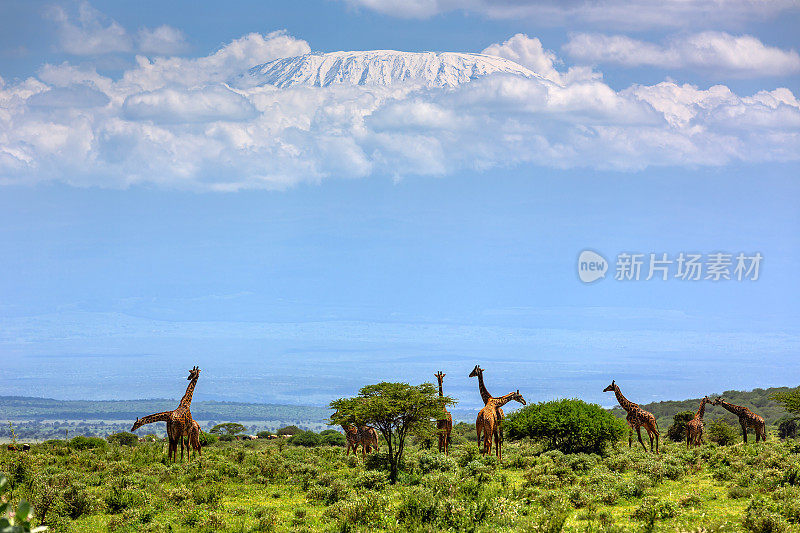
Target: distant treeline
<point>757,400</point>
<point>26,408</point>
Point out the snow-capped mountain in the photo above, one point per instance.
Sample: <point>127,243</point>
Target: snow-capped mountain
<point>379,67</point>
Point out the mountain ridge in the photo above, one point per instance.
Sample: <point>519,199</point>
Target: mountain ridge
<point>379,67</point>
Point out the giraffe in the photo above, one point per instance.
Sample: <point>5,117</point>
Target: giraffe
<point>172,437</point>
<point>694,427</point>
<point>179,421</point>
<point>194,438</point>
<point>637,417</point>
<point>444,425</point>
<point>488,422</point>
<point>351,435</point>
<point>364,436</point>
<point>182,417</point>
<point>747,418</point>
<point>485,396</point>
<point>368,439</point>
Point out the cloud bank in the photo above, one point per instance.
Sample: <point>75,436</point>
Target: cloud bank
<point>90,32</point>
<point>184,123</point>
<point>720,52</point>
<point>624,14</point>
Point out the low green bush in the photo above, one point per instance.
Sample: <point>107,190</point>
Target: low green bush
<point>123,438</point>
<point>721,432</point>
<point>566,425</point>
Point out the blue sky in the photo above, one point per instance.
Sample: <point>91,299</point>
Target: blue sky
<point>297,244</point>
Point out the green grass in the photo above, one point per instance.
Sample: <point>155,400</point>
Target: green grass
<point>267,486</point>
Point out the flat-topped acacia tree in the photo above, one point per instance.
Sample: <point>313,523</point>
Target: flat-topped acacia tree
<point>395,410</point>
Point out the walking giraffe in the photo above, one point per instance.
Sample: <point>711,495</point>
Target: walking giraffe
<point>694,427</point>
<point>444,425</point>
<point>637,417</point>
<point>747,419</point>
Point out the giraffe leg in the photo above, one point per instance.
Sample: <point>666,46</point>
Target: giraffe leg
<point>630,437</point>
<point>744,431</point>
<point>639,434</point>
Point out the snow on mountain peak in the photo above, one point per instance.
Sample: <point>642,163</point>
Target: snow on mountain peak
<point>380,67</point>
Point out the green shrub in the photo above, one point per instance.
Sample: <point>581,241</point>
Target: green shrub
<point>357,510</point>
<point>787,428</point>
<point>264,434</point>
<point>762,516</point>
<point>290,430</point>
<point>371,480</point>
<point>417,508</point>
<point>82,443</point>
<point>307,439</point>
<point>76,501</point>
<point>331,437</point>
<point>20,520</point>
<point>566,425</point>
<point>721,432</point>
<point>206,439</point>
<point>123,438</point>
<point>435,462</point>
<point>653,509</point>
<point>677,431</point>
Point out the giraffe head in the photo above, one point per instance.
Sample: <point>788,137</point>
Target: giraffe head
<point>136,425</point>
<point>194,373</point>
<point>477,371</point>
<point>706,400</point>
<point>440,376</point>
<point>518,397</point>
<point>610,387</point>
<point>718,400</point>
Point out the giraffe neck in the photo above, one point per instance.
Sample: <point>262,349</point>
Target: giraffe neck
<point>702,410</point>
<point>502,400</point>
<point>485,396</point>
<point>186,401</point>
<point>623,401</point>
<point>735,409</point>
<point>441,394</point>
<point>149,419</point>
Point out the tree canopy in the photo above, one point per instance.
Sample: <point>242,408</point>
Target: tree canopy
<point>790,400</point>
<point>228,428</point>
<point>394,410</point>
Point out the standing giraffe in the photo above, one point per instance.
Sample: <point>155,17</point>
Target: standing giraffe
<point>172,436</point>
<point>179,421</point>
<point>182,417</point>
<point>194,438</point>
<point>485,396</point>
<point>368,439</point>
<point>694,427</point>
<point>637,417</point>
<point>351,435</point>
<point>444,425</point>
<point>747,418</point>
<point>488,422</point>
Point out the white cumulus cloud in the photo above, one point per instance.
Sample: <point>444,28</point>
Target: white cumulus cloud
<point>91,32</point>
<point>179,122</point>
<point>164,40</point>
<point>720,52</point>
